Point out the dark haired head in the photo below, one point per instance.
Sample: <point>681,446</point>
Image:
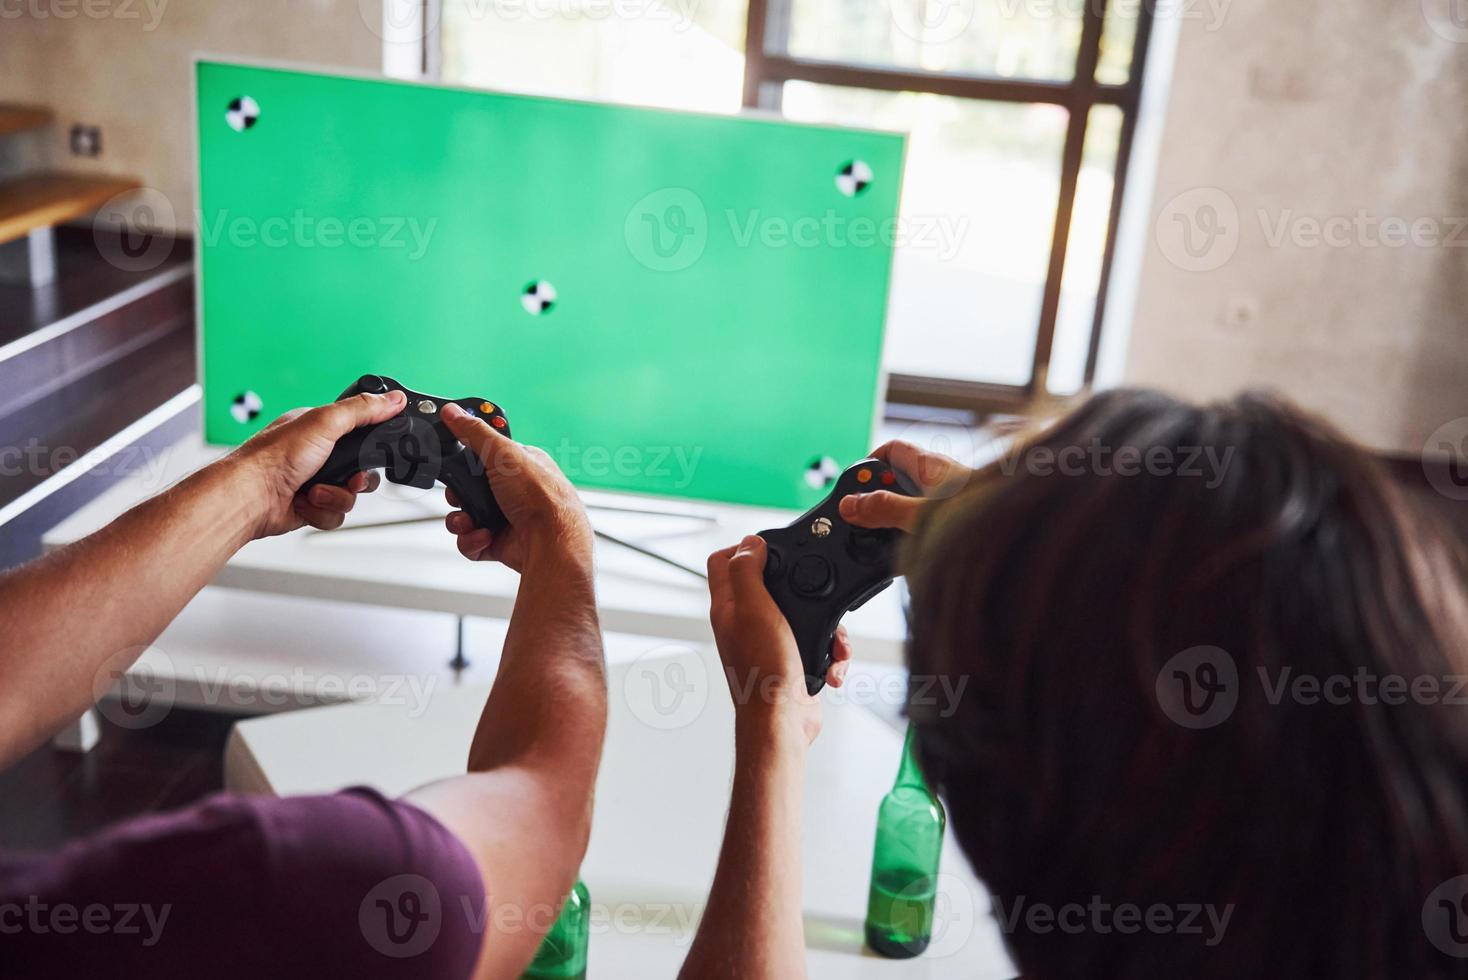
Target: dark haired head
<point>1212,661</point>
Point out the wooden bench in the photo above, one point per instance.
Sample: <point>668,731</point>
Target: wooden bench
<point>30,206</point>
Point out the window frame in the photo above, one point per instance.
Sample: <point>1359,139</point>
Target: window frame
<point>765,70</point>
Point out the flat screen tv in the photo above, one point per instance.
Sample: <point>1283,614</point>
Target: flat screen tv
<point>668,303</point>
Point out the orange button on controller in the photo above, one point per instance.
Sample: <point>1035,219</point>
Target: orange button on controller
<point>863,476</point>
<point>487,408</point>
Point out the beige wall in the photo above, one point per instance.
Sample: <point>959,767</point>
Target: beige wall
<point>1291,112</point>
<point>1301,111</point>
<point>127,65</point>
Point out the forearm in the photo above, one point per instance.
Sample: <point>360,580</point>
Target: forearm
<point>93,606</point>
<point>752,926</point>
<point>547,710</point>
<point>524,810</point>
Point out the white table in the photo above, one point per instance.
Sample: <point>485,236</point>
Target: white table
<point>660,807</point>
<point>416,567</point>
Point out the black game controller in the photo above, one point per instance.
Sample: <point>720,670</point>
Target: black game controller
<point>820,568</point>
<point>416,448</point>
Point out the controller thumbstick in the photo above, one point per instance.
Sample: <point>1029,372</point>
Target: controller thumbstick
<point>372,384</point>
<point>774,563</point>
<point>813,576</point>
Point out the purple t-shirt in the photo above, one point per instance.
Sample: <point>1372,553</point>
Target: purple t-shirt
<point>347,885</point>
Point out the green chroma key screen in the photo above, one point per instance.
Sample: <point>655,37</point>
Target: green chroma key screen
<point>668,303</point>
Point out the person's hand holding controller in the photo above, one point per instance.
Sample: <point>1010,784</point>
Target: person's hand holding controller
<point>751,926</point>
<point>938,477</point>
<point>547,523</point>
<point>281,457</point>
<point>761,660</point>
<point>175,543</point>
<point>756,896</point>
<point>525,809</point>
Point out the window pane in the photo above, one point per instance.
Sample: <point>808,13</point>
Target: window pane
<point>1118,37</point>
<point>1010,38</point>
<point>1084,251</point>
<point>644,52</point>
<point>978,212</point>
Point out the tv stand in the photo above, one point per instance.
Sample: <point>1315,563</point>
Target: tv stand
<point>705,517</point>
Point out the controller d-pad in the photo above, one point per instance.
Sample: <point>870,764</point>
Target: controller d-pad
<point>869,546</point>
<point>414,448</point>
<point>813,576</point>
<point>402,470</point>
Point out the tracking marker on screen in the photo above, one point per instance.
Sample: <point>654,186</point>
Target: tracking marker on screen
<point>821,472</point>
<point>853,178</point>
<point>242,113</point>
<point>246,407</point>
<point>538,297</point>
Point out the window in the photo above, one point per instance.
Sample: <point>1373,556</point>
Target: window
<point>1020,115</point>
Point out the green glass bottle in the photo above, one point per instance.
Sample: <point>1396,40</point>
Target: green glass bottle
<point>562,954</point>
<point>905,866</point>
